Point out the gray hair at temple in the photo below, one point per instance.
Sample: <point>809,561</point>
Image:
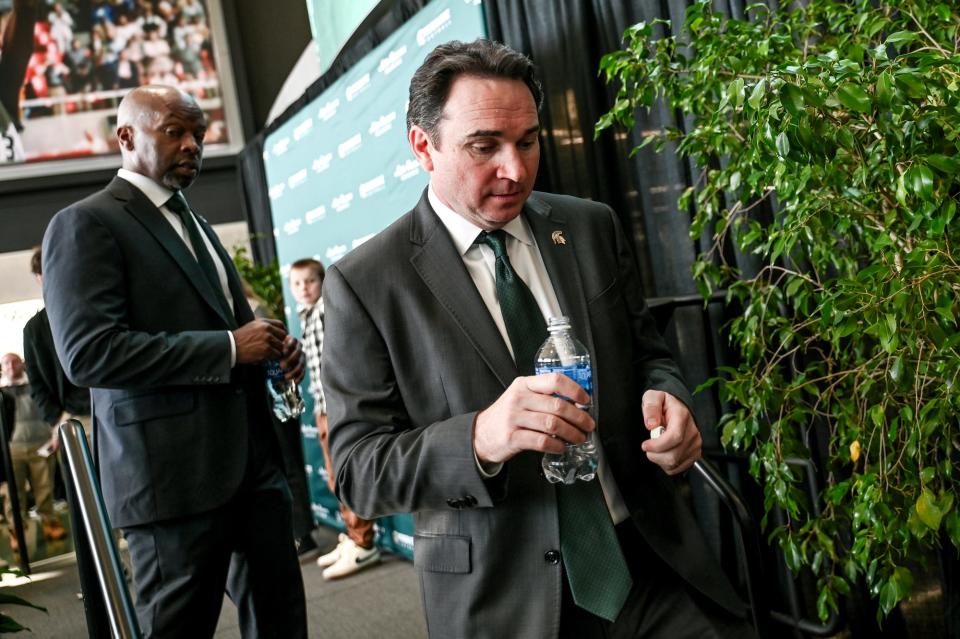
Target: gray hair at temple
<point>431,83</point>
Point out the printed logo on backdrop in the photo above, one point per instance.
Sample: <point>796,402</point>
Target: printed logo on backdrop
<point>328,110</point>
<point>297,179</point>
<point>310,432</point>
<point>276,191</point>
<point>360,240</point>
<point>348,147</point>
<point>403,540</point>
<point>406,170</point>
<point>320,511</point>
<point>334,253</point>
<point>342,202</point>
<point>315,215</point>
<point>293,226</point>
<point>303,129</point>
<point>393,60</point>
<point>322,163</point>
<point>433,28</point>
<point>280,147</point>
<point>358,87</point>
<point>382,124</point>
<point>370,187</point>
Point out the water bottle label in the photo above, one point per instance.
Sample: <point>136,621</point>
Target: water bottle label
<point>274,371</point>
<point>581,374</point>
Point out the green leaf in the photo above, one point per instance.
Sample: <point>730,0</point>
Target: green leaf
<point>901,37</point>
<point>756,96</point>
<point>888,597</point>
<point>885,89</point>
<point>854,98</point>
<point>952,526</point>
<point>896,370</point>
<point>783,145</point>
<point>791,97</point>
<point>7,598</point>
<point>944,164</point>
<point>928,510</point>
<point>920,181</point>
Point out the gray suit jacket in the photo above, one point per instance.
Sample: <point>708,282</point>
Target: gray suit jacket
<point>412,354</point>
<point>134,319</point>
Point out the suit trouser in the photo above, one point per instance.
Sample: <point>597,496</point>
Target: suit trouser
<point>359,530</point>
<point>27,464</point>
<point>660,604</point>
<point>181,566</point>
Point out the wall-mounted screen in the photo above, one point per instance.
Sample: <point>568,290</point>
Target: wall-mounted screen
<point>78,58</point>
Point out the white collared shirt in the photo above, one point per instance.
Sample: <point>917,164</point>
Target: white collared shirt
<point>528,263</point>
<point>158,196</point>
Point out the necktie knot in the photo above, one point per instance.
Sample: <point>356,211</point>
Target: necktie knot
<point>496,240</point>
<point>178,205</point>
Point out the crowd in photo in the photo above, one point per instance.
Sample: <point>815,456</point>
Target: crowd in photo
<point>82,48</point>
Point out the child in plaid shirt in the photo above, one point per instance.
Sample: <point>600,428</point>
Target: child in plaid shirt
<point>355,550</point>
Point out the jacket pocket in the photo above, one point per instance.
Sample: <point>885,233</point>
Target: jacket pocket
<point>143,408</point>
<point>442,553</point>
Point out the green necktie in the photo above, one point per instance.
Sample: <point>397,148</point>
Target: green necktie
<point>178,205</point>
<point>521,314</point>
<point>595,566</point>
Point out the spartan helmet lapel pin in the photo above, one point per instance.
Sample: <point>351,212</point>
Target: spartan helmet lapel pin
<point>558,238</point>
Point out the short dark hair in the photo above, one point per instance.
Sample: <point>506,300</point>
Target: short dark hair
<point>36,265</point>
<point>431,83</point>
<point>309,262</point>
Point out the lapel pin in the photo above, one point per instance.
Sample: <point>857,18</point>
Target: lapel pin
<point>557,237</point>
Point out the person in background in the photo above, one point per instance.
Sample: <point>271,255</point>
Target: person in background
<point>355,550</point>
<point>31,453</point>
<point>146,308</point>
<point>428,370</point>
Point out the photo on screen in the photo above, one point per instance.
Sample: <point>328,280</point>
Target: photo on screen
<point>65,66</point>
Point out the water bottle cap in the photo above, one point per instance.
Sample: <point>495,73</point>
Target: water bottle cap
<point>558,323</point>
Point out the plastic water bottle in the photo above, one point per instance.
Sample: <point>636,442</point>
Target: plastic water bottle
<point>562,353</point>
<point>285,393</point>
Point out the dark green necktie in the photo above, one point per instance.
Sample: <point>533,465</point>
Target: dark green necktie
<point>178,205</point>
<point>595,566</point>
<point>521,314</point>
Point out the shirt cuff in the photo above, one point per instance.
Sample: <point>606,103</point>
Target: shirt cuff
<point>233,349</point>
<point>487,471</point>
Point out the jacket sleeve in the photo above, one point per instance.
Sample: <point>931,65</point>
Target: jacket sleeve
<point>383,462</point>
<point>41,392</point>
<point>85,290</point>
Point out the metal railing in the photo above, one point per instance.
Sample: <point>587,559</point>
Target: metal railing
<point>102,579</point>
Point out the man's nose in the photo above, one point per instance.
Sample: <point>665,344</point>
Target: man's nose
<point>189,143</point>
<point>511,165</point>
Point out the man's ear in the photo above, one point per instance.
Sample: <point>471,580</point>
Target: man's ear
<point>125,136</point>
<point>422,147</point>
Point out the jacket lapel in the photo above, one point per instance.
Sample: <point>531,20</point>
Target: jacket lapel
<point>137,204</point>
<point>442,271</point>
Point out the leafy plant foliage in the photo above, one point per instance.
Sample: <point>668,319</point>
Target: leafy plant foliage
<point>264,279</point>
<point>843,119</point>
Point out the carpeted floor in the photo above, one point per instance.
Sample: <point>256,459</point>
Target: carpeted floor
<point>382,601</point>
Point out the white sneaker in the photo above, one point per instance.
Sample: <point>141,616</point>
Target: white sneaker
<point>331,557</point>
<point>352,559</point>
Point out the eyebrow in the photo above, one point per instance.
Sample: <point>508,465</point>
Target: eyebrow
<point>492,133</point>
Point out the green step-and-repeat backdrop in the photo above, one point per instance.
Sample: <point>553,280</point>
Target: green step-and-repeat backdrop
<point>340,171</point>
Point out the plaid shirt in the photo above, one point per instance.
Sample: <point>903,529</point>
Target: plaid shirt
<point>311,322</point>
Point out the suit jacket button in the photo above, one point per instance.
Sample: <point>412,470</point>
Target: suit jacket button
<point>552,557</point>
<point>470,500</point>
<point>454,503</point>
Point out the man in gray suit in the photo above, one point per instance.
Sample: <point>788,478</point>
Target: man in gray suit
<point>434,410</point>
<point>147,310</point>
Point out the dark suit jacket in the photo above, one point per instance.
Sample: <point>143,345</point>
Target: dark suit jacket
<point>411,355</point>
<point>134,319</point>
<point>50,389</point>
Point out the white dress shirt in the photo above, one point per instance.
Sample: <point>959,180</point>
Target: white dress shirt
<point>526,261</point>
<point>158,196</point>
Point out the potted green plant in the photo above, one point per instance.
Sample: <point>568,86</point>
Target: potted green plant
<point>841,119</point>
